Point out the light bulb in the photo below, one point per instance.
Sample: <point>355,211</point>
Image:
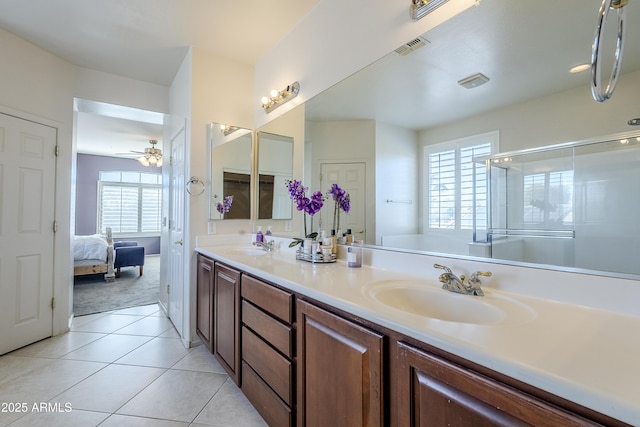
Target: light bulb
<point>274,93</point>
<point>264,100</point>
<point>143,161</point>
<point>159,162</point>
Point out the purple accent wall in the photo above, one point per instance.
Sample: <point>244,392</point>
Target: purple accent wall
<point>88,168</point>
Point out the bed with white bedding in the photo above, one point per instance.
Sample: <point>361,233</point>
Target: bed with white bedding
<point>93,254</point>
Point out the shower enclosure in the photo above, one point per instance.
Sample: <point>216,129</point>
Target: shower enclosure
<point>572,205</point>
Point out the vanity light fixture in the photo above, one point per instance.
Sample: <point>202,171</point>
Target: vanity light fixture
<point>420,8</point>
<point>278,97</point>
<point>475,80</point>
<point>226,129</point>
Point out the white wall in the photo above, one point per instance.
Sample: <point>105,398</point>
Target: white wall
<point>207,88</point>
<point>41,87</point>
<point>398,180</point>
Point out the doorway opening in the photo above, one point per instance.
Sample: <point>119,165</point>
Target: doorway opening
<point>116,188</point>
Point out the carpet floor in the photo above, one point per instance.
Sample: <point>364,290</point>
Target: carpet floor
<point>91,294</point>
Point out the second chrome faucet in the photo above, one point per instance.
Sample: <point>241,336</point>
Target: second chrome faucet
<point>453,283</point>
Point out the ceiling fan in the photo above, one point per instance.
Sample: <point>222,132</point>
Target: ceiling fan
<point>151,155</point>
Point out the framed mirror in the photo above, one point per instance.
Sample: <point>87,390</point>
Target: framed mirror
<point>275,168</point>
<point>230,172</point>
<point>411,107</point>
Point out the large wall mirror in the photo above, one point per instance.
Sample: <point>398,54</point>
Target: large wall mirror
<point>275,168</point>
<point>230,172</point>
<point>403,115</point>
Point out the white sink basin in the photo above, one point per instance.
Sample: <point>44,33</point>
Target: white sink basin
<point>249,250</point>
<point>429,301</point>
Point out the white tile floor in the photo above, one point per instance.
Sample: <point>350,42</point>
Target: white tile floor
<point>122,368</point>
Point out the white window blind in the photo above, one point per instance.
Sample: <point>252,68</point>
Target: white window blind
<point>129,202</point>
<point>442,181</point>
<point>473,176</point>
<point>458,187</point>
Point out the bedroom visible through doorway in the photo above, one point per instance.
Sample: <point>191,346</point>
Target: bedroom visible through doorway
<point>117,188</point>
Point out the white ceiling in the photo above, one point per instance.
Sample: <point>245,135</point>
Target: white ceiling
<point>146,40</point>
<point>525,47</point>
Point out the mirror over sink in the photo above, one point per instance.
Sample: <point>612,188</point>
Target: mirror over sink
<point>275,169</point>
<point>402,115</point>
<point>230,171</point>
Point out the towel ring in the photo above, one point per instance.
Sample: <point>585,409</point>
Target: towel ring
<point>600,94</point>
<point>192,181</point>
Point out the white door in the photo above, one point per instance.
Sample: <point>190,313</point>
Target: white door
<point>176,230</point>
<point>351,178</point>
<point>27,196</point>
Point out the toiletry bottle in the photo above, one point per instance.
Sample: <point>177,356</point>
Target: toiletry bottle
<point>268,230</point>
<point>259,235</point>
<point>334,242</point>
<point>349,236</point>
<point>354,254</point>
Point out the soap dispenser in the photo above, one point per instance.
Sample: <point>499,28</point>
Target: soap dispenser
<point>268,233</point>
<point>259,235</point>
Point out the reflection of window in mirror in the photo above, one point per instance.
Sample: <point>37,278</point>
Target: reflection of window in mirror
<point>275,168</point>
<point>452,179</point>
<point>238,185</point>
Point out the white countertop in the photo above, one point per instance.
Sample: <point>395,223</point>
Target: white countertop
<point>586,355</point>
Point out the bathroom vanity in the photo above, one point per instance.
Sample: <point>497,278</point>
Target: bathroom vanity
<point>329,345</point>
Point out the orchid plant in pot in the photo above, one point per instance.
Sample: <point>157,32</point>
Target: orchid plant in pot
<point>224,206</point>
<point>342,202</point>
<point>308,205</point>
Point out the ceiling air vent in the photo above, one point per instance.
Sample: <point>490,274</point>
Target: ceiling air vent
<point>409,47</point>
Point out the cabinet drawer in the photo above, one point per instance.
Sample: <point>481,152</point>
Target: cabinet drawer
<point>271,299</point>
<point>271,366</point>
<point>266,402</point>
<point>271,330</point>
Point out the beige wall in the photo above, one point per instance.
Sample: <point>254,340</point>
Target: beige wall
<point>41,87</point>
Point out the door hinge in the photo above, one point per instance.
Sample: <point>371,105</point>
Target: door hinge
<point>55,226</point>
<point>53,303</point>
<point>57,150</point>
<point>170,160</point>
<point>167,288</point>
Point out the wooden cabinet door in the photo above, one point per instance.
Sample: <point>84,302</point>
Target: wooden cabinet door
<point>226,324</point>
<point>340,378</point>
<point>435,392</point>
<point>204,300</point>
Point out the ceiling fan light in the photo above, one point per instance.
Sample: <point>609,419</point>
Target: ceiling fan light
<point>159,162</point>
<point>143,161</point>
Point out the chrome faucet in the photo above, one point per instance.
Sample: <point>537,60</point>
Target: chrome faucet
<point>266,245</point>
<point>453,283</point>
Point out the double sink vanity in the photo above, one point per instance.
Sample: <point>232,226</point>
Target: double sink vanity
<point>324,344</point>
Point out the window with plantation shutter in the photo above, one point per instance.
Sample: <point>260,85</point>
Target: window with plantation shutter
<point>442,181</point>
<point>472,176</point>
<point>130,203</point>
<point>452,177</point>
